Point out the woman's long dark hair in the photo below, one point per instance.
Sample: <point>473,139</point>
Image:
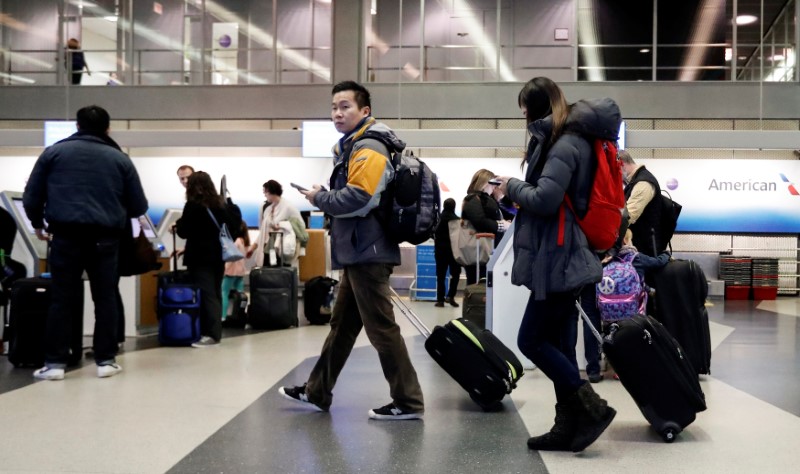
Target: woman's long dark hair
<point>542,97</point>
<point>200,189</point>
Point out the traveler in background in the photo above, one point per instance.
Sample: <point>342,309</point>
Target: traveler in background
<point>641,187</point>
<point>641,262</point>
<point>552,255</point>
<point>86,188</point>
<point>277,216</point>
<point>443,253</point>
<point>236,271</point>
<point>76,63</point>
<point>361,249</point>
<point>203,255</point>
<point>184,171</point>
<point>483,212</point>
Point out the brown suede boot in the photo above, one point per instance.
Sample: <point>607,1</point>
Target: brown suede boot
<point>559,438</point>
<point>592,417</point>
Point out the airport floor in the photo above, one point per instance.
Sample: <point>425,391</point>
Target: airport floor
<point>217,410</point>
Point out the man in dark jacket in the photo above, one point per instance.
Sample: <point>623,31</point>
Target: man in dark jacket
<point>360,247</point>
<point>641,191</point>
<point>86,188</point>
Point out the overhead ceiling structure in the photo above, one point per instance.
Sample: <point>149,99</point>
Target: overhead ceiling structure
<point>684,40</point>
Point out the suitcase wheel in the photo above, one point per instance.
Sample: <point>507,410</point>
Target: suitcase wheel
<point>495,405</point>
<point>670,432</point>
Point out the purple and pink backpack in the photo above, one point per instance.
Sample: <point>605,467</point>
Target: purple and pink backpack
<point>621,294</point>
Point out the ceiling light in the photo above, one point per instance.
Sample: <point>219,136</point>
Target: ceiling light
<point>728,54</point>
<point>112,18</point>
<point>746,19</point>
<point>644,50</point>
<point>778,57</point>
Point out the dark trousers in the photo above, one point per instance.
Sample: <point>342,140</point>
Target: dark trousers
<point>444,262</point>
<point>363,301</point>
<point>69,257</point>
<point>208,280</point>
<point>591,347</point>
<point>547,336</point>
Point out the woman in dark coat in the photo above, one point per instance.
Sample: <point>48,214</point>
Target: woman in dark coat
<point>482,211</point>
<point>203,252</point>
<point>443,253</point>
<point>552,257</point>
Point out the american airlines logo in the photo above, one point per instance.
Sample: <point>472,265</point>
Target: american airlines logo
<point>792,189</point>
<point>747,185</point>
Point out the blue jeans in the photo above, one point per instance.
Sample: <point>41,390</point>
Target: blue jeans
<point>70,255</point>
<point>547,336</point>
<point>590,345</point>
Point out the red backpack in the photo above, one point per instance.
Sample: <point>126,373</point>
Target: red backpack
<point>606,200</point>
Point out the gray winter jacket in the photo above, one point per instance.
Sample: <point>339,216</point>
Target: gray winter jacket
<point>361,172</point>
<point>542,263</point>
<point>84,180</point>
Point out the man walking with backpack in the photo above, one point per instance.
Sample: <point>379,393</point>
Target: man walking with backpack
<point>366,254</point>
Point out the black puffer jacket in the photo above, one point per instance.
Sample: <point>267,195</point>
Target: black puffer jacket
<point>541,262</point>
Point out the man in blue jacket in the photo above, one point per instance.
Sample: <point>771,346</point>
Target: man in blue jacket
<point>360,247</point>
<point>85,187</point>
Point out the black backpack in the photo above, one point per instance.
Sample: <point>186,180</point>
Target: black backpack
<point>318,296</point>
<point>412,202</point>
<point>670,211</point>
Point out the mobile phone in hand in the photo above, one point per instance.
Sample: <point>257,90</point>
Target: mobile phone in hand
<point>495,182</point>
<point>298,187</point>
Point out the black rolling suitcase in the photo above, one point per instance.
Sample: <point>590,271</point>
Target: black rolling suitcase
<point>653,369</point>
<point>273,296</point>
<point>178,306</point>
<point>681,289</point>
<point>30,302</point>
<point>471,355</point>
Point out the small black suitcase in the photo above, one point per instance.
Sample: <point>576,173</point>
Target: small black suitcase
<point>30,302</point>
<point>318,296</point>
<point>655,371</point>
<point>681,289</point>
<point>472,356</point>
<point>236,313</point>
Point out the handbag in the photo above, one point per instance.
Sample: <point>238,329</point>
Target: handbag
<point>463,243</point>
<point>230,253</point>
<point>136,254</point>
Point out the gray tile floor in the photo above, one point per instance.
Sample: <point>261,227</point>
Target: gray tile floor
<point>217,410</point>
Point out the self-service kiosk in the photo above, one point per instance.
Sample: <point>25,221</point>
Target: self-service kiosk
<point>168,219</point>
<point>138,292</point>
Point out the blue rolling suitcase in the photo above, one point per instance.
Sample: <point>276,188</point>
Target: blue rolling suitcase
<point>178,308</point>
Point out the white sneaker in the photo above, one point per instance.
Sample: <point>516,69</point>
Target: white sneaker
<point>49,373</point>
<point>205,341</point>
<point>108,370</point>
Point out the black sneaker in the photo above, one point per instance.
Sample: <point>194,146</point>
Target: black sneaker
<point>595,378</point>
<point>391,412</point>
<point>298,394</point>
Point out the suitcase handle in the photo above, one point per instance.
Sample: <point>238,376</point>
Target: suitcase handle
<point>409,314</point>
<point>589,323</point>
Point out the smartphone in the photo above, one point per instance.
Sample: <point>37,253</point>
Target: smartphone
<point>495,182</point>
<point>298,187</point>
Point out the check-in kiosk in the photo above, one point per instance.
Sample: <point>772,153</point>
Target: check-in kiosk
<point>138,292</point>
<point>168,219</point>
<point>28,249</point>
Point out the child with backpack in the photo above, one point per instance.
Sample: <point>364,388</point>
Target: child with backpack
<point>622,292</point>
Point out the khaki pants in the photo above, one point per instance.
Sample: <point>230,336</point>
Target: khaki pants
<point>363,301</point>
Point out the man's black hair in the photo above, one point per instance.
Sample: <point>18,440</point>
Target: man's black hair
<point>93,119</point>
<point>361,93</point>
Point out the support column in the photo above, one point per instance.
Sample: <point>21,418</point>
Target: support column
<point>348,41</point>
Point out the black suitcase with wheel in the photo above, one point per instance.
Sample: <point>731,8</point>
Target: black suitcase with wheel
<point>30,302</point>
<point>472,356</point>
<point>681,289</point>
<point>654,369</point>
<point>318,296</point>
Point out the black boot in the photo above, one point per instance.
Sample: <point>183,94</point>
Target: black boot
<point>559,438</point>
<point>592,417</point>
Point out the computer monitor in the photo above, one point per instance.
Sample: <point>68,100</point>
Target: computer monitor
<point>23,216</point>
<point>318,139</point>
<point>55,131</point>
<point>149,232</point>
